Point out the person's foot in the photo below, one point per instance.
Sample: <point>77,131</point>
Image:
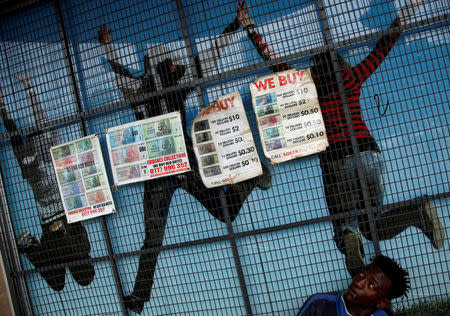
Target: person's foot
<point>83,273</point>
<point>25,240</point>
<point>431,226</point>
<point>353,255</point>
<point>264,181</point>
<point>134,303</point>
<point>54,277</point>
<point>56,226</point>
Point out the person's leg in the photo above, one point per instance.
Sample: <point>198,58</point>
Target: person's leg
<point>420,213</point>
<point>342,195</point>
<point>157,196</point>
<point>44,254</point>
<point>75,247</point>
<point>235,194</point>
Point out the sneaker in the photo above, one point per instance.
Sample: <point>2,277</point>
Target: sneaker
<point>134,303</point>
<point>56,226</point>
<point>431,226</point>
<point>83,273</point>
<point>264,181</point>
<point>353,255</point>
<point>25,241</point>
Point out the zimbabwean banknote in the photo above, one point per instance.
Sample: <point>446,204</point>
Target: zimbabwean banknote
<point>165,146</point>
<point>128,135</point>
<point>64,151</point>
<point>273,132</point>
<point>160,128</point>
<point>94,181</point>
<point>75,202</point>
<point>84,145</point>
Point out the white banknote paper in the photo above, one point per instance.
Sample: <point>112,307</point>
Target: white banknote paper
<point>82,179</point>
<point>290,122</point>
<point>223,143</point>
<point>147,149</point>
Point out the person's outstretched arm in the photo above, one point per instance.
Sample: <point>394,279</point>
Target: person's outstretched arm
<point>125,80</point>
<point>263,49</point>
<point>41,120</point>
<point>368,66</point>
<point>19,148</point>
<point>207,61</point>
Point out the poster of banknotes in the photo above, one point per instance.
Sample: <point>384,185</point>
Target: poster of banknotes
<point>147,149</point>
<point>223,143</point>
<point>289,119</point>
<point>82,179</point>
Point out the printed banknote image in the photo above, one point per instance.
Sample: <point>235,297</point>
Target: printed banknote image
<point>275,144</point>
<point>98,196</point>
<point>159,128</point>
<point>273,132</point>
<point>94,181</point>
<point>75,202</point>
<point>66,163</point>
<point>83,145</point>
<point>209,160</point>
<point>212,171</point>
<point>201,126</point>
<point>128,135</point>
<point>163,128</point>
<point>88,158</point>
<point>125,155</point>
<point>74,188</point>
<point>128,172</point>
<point>267,109</point>
<point>165,146</point>
<point>90,170</point>
<point>203,137</point>
<point>206,148</point>
<point>64,151</point>
<point>69,175</point>
<point>268,121</point>
<point>266,99</point>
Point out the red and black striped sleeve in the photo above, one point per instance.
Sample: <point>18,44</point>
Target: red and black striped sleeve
<point>264,50</point>
<point>364,69</point>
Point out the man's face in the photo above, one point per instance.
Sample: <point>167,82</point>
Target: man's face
<point>369,288</point>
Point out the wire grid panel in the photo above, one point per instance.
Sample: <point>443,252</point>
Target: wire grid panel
<point>174,247</point>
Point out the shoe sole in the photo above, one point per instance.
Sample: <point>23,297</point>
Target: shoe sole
<point>438,230</point>
<point>353,256</point>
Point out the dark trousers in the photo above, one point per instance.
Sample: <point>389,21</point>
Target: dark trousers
<point>64,246</point>
<point>157,198</point>
<point>344,194</point>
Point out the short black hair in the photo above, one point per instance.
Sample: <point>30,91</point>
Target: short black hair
<point>398,276</point>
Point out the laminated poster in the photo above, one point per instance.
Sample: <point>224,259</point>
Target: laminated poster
<point>289,119</point>
<point>223,143</point>
<point>147,149</point>
<point>82,179</point>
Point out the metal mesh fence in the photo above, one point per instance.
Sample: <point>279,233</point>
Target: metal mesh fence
<point>76,68</point>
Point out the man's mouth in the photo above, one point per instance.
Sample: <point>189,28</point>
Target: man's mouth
<point>351,291</point>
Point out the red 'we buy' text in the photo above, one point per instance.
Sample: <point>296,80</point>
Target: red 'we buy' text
<point>283,79</point>
<point>219,106</point>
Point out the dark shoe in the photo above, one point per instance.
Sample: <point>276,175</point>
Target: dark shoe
<point>56,226</point>
<point>264,181</point>
<point>83,273</point>
<point>134,303</point>
<point>28,245</point>
<point>431,226</point>
<point>25,241</point>
<point>353,255</point>
<point>77,244</point>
